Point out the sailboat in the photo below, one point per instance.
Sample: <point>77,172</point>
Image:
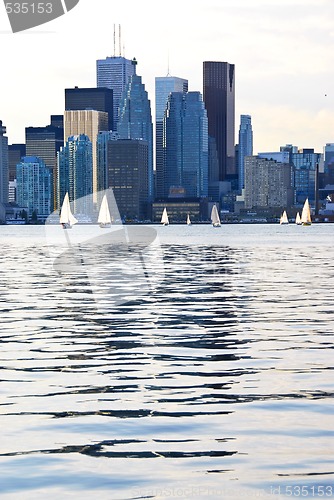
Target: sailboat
<point>67,219</point>
<point>164,217</point>
<point>306,214</point>
<point>284,218</point>
<point>188,220</point>
<point>104,218</point>
<point>298,220</point>
<point>215,217</point>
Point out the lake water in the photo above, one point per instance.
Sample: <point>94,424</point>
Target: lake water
<point>168,362</point>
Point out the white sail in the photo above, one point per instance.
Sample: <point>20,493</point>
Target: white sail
<point>215,216</point>
<point>298,219</point>
<point>284,218</point>
<point>306,214</point>
<point>66,216</point>
<point>164,217</point>
<point>104,214</point>
<point>188,220</point>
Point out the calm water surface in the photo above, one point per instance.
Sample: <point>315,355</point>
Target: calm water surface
<point>196,366</point>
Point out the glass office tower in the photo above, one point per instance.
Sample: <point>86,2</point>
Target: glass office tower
<point>135,119</point>
<point>163,87</point>
<point>186,145</point>
<point>245,147</point>
<point>114,73</point>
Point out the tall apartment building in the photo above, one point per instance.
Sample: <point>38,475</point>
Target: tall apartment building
<point>219,99</point>
<point>4,175</point>
<point>33,189</point>
<point>114,73</point>
<point>267,183</point>
<point>75,173</point>
<point>163,88</point>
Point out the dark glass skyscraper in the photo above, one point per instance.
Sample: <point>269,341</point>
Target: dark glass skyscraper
<point>135,119</point>
<point>15,153</point>
<point>128,177</point>
<point>163,87</point>
<point>44,143</point>
<point>219,99</point>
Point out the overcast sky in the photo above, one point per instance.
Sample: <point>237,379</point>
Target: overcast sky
<point>282,51</point>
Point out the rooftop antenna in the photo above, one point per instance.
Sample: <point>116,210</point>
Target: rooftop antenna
<point>114,40</point>
<point>119,40</point>
<point>168,73</point>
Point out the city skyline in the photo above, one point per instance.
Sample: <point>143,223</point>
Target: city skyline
<point>281,53</point>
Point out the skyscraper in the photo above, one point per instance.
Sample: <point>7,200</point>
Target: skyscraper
<point>15,153</point>
<point>34,186</point>
<point>103,140</point>
<point>128,177</point>
<point>186,145</point>
<point>44,143</point>
<point>163,87</point>
<point>219,99</point>
<point>75,172</point>
<point>90,123</point>
<point>245,147</point>
<point>4,176</point>
<point>100,99</point>
<point>114,73</point>
<point>135,119</point>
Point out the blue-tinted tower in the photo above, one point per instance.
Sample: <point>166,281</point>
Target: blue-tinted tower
<point>114,73</point>
<point>186,144</point>
<point>135,119</point>
<point>245,147</point>
<point>75,171</point>
<point>163,88</point>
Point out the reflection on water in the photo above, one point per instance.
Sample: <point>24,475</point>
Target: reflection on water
<point>215,371</point>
